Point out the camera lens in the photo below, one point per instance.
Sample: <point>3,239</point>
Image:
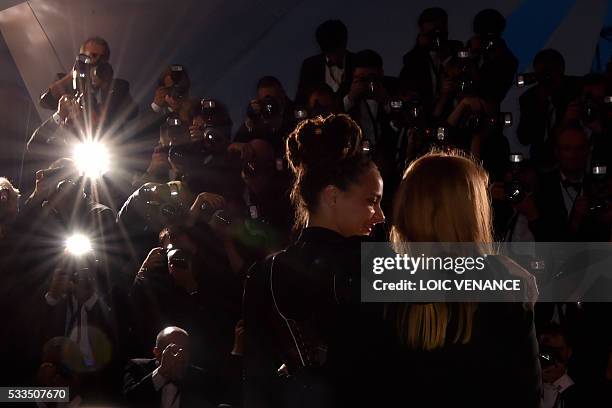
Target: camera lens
<point>516,158</point>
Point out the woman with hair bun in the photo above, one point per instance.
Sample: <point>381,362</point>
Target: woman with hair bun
<point>301,306</point>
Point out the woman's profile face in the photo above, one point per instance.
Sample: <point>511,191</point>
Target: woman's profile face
<point>357,210</point>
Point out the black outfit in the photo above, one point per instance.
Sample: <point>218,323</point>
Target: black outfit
<point>498,368</point>
<point>312,73</point>
<point>275,137</point>
<point>198,389</point>
<point>536,119</point>
<point>315,284</point>
<point>209,315</point>
<point>496,73</point>
<point>553,223</point>
<point>417,71</point>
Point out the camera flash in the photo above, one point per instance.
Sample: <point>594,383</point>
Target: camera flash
<point>78,244</point>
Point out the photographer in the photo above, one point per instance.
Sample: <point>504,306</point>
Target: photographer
<point>61,207</point>
<point>76,307</point>
<point>423,65</point>
<point>591,111</point>
<point>543,105</point>
<point>170,379</point>
<point>171,95</point>
<point>270,116</point>
<point>187,282</point>
<point>93,107</point>
<point>322,101</point>
<point>367,98</point>
<point>496,65</point>
<point>513,201</point>
<point>477,127</point>
<point>98,50</point>
<point>260,224</point>
<point>333,66</point>
<point>559,389</point>
<point>565,210</point>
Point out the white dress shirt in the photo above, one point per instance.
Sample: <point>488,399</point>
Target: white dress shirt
<point>76,326</point>
<point>551,392</point>
<point>334,75</point>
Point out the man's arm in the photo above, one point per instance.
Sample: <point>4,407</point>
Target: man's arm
<point>138,385</point>
<point>50,97</point>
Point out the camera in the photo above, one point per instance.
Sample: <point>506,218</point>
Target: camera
<point>365,146</point>
<point>159,202</point>
<point>438,40</point>
<point>81,74</point>
<point>178,92</point>
<point>503,119</point>
<point>180,83</point>
<point>300,114</point>
<point>526,79</point>
<point>514,189</point>
<point>406,113</point>
<point>478,122</point>
<point>178,258</point>
<point>266,109</point>
<point>598,189</point>
<point>173,131</point>
<point>465,82</point>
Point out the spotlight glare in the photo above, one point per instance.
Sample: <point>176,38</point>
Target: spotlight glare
<point>92,159</point>
<point>78,244</point>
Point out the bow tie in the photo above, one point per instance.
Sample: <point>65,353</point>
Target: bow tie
<point>575,185</point>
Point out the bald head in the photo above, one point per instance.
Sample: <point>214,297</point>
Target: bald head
<point>172,335</point>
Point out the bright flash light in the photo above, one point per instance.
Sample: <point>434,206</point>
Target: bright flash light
<point>92,159</point>
<point>78,244</point>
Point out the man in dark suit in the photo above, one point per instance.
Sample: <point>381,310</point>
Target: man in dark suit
<point>543,106</point>
<point>98,50</point>
<point>169,380</point>
<point>496,64</point>
<point>366,101</point>
<point>423,65</point>
<point>102,110</point>
<point>562,204</point>
<point>333,66</point>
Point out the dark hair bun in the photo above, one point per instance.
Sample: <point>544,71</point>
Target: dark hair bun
<point>322,142</point>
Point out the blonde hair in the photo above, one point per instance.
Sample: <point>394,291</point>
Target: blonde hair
<point>443,197</point>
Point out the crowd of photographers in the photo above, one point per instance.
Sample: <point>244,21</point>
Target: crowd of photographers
<point>115,281</point>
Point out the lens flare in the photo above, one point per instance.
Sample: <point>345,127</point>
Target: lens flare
<point>92,159</point>
<point>78,244</point>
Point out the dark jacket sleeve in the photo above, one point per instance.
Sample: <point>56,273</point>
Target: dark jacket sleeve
<point>308,77</point>
<point>532,121</point>
<point>497,75</point>
<point>138,384</point>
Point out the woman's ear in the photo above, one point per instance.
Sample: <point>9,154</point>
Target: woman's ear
<point>329,196</point>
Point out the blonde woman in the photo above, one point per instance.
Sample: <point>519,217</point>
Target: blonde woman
<point>458,354</point>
